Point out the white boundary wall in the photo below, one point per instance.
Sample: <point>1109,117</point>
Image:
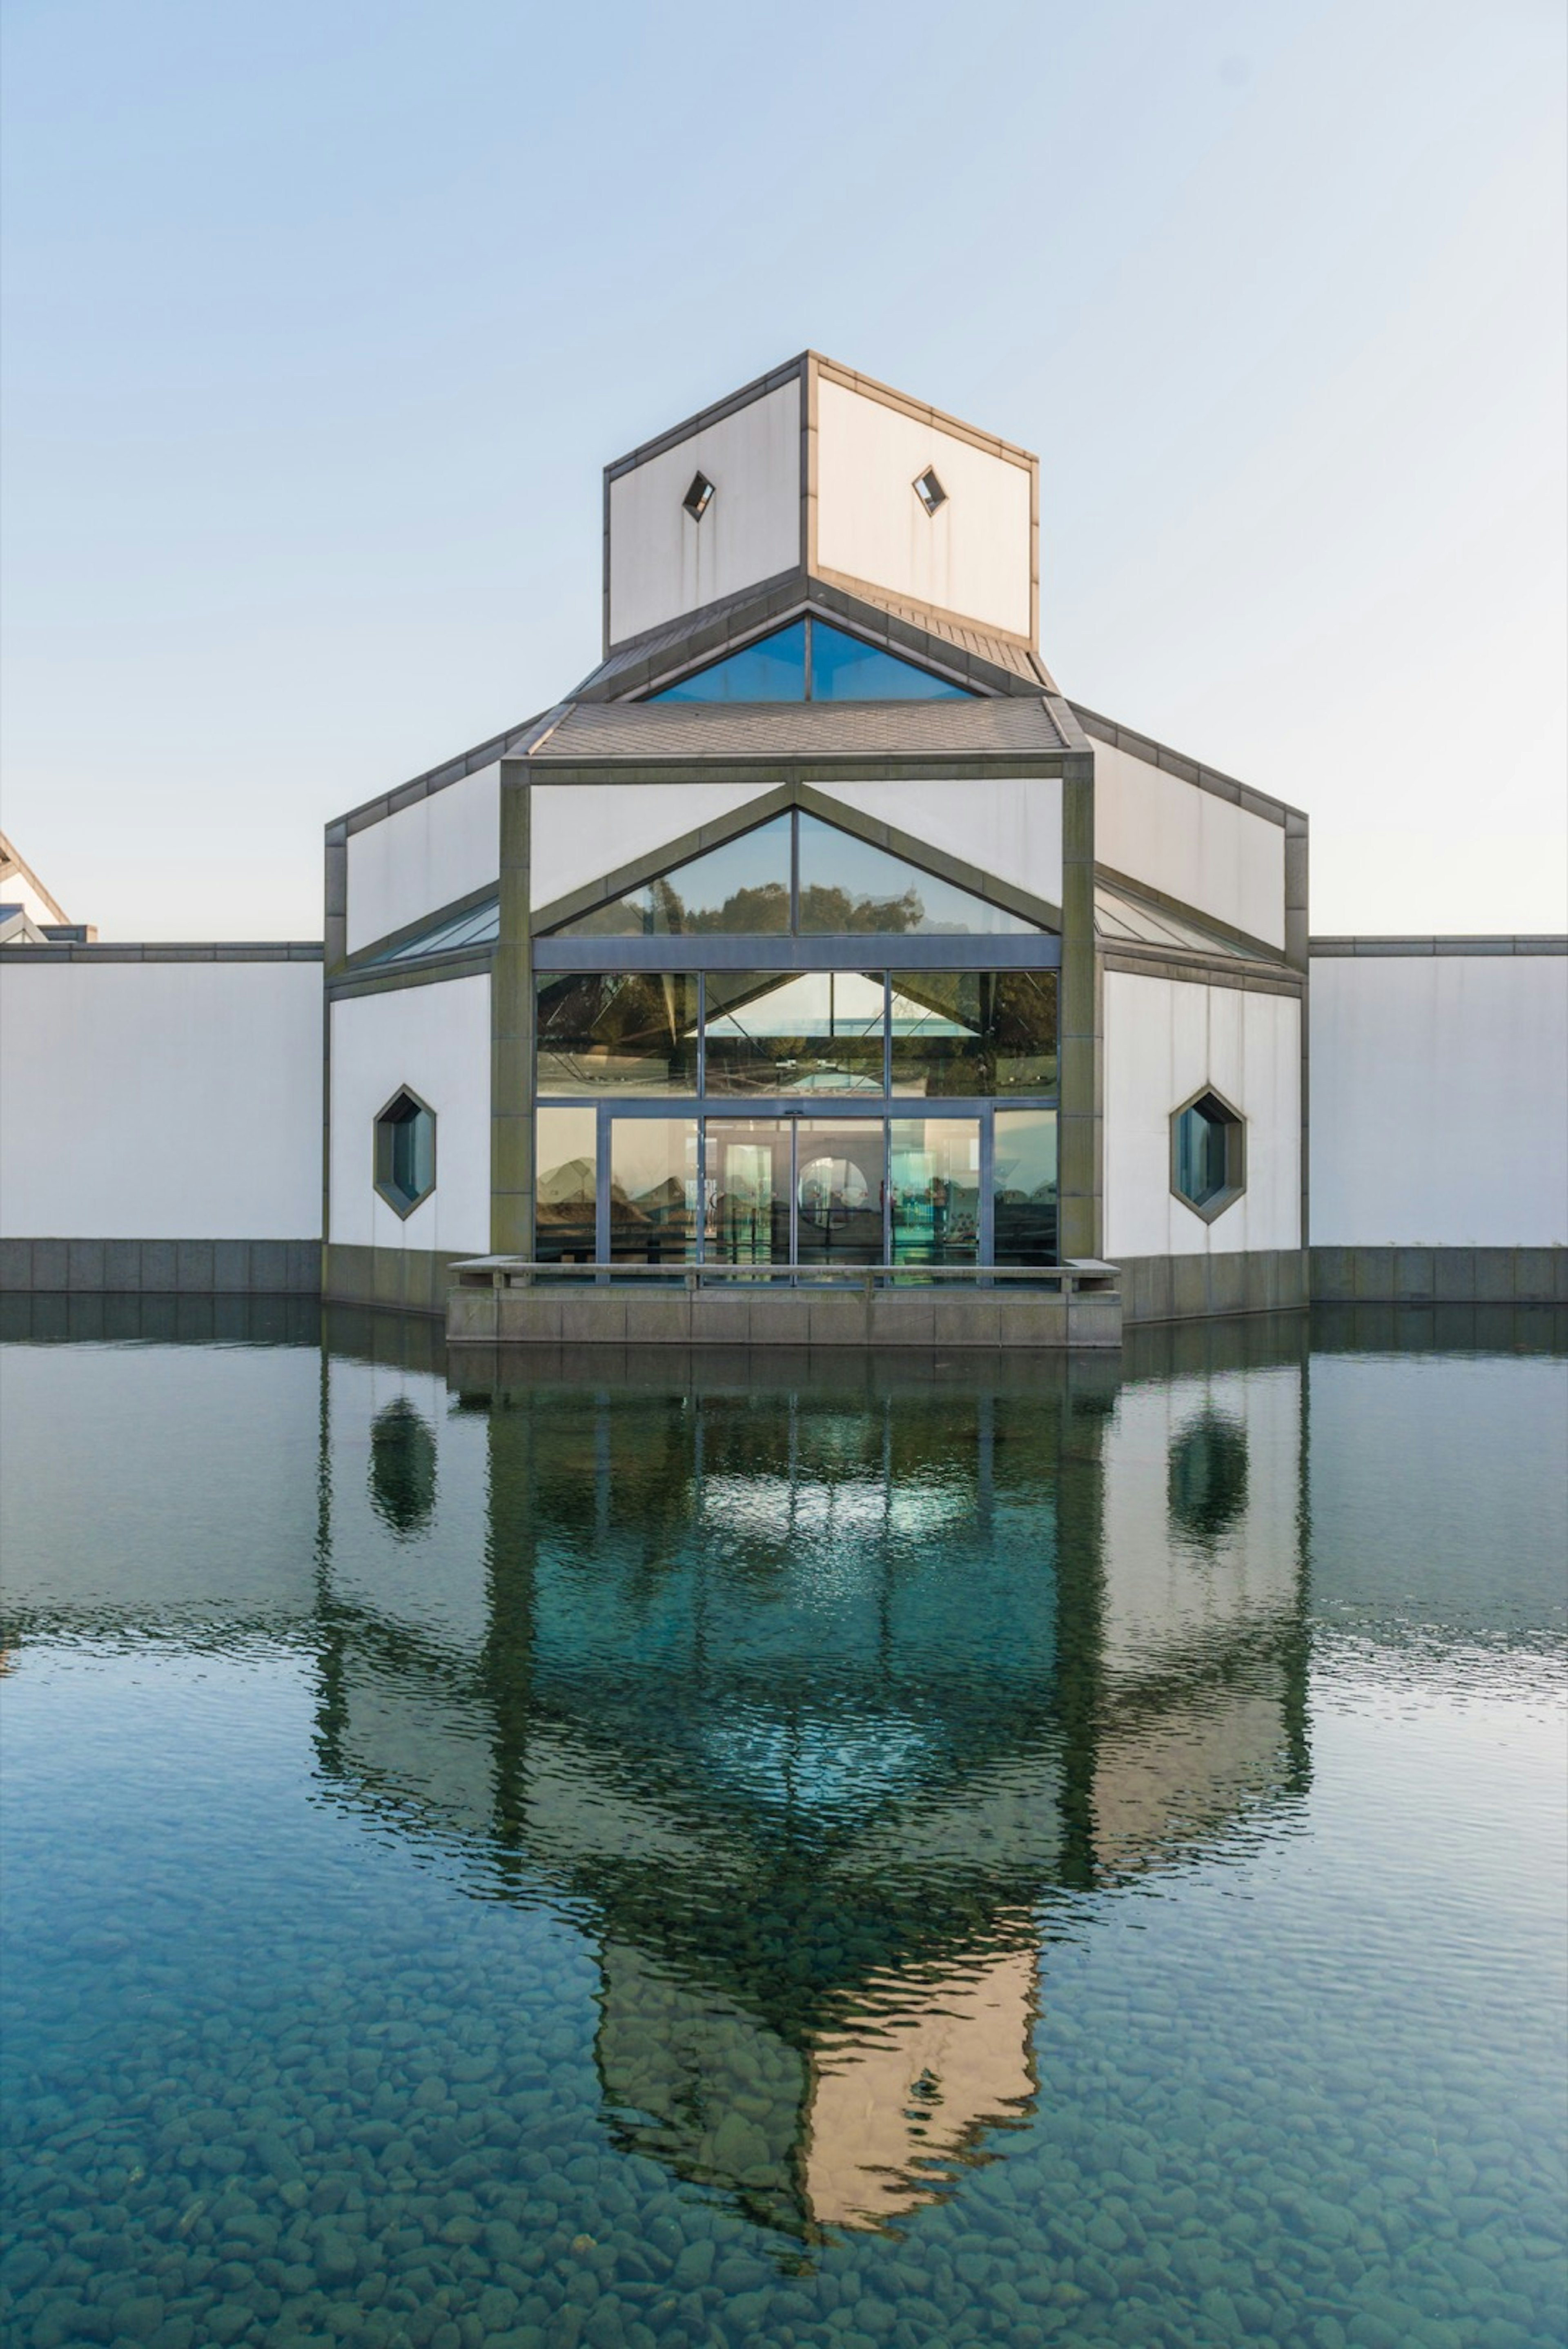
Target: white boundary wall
<point>1165,1040</point>
<point>441,848</point>
<point>160,1100</point>
<point>436,1040</point>
<point>1439,1100</point>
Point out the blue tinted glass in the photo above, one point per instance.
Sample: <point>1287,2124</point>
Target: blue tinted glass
<point>771,670</point>
<point>844,669</point>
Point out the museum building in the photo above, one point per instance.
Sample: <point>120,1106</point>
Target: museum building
<point>817,944</point>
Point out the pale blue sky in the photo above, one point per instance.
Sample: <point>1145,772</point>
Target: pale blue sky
<point>321,320</point>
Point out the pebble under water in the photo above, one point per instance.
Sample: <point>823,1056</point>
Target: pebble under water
<point>888,1855</point>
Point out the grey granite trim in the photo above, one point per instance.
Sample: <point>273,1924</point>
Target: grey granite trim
<point>159,950</point>
<point>1194,1287</point>
<point>1199,970</point>
<point>1189,770</point>
<point>888,1320</point>
<point>402,1281</point>
<point>464,962</point>
<point>1520,943</point>
<point>1128,887</point>
<point>374,948</point>
<point>730,405</point>
<point>1440,1275</point>
<point>224,1268</point>
<point>515,743</point>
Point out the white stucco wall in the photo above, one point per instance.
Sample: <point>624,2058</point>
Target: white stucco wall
<point>661,562</point>
<point>424,856</point>
<point>1440,1101</point>
<point>436,1040</point>
<point>161,1101</point>
<point>1164,1041</point>
<point>580,831</point>
<point>1011,827</point>
<point>1207,852</point>
<point>973,556</point>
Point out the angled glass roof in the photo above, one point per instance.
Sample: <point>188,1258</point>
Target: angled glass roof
<point>479,927</point>
<point>1119,915</point>
<point>811,660</point>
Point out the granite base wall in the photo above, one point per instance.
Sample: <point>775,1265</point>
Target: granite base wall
<point>1439,1275</point>
<point>1196,1288</point>
<point>406,1280</point>
<point>983,1320</point>
<point>161,1268</point>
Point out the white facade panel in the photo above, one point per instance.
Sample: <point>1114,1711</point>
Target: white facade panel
<point>1440,1101</point>
<point>1204,851</point>
<point>661,562</point>
<point>424,857</point>
<point>1166,1040</point>
<point>1011,826</point>
<point>973,557</point>
<point>580,832</point>
<point>161,1101</point>
<point>436,1040</point>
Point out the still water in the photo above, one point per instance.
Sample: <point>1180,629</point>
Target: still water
<point>617,1853</point>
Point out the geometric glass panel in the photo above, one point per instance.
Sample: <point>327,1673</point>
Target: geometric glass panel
<point>845,668</point>
<point>849,887</point>
<point>741,888</point>
<point>976,1032</point>
<point>404,1136</point>
<point>817,1031</point>
<point>621,1031</point>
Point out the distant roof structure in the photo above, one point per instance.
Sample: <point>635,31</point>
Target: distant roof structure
<point>29,915</point>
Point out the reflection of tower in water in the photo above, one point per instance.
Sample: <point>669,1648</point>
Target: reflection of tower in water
<point>813,1704</point>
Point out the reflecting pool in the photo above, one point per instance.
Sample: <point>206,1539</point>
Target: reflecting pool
<point>620,1851</point>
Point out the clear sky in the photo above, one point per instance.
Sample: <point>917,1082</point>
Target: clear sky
<point>320,321</point>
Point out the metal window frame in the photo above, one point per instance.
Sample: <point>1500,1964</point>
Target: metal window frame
<point>382,1186</point>
<point>1235,1130</point>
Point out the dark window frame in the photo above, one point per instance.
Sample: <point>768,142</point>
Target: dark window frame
<point>1232,1124</point>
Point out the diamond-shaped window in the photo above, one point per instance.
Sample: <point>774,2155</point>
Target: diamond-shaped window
<point>698,497</point>
<point>930,491</point>
<point>1207,1154</point>
<point>405,1151</point>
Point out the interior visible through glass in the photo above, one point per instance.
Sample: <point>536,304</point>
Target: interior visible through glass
<point>1023,1186</point>
<point>933,1190</point>
<point>653,1190</point>
<point>840,1171</point>
<point>629,1031</point>
<point>816,1031</point>
<point>565,1226</point>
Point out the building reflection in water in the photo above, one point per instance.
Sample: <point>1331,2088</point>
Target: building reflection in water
<point>812,1704</point>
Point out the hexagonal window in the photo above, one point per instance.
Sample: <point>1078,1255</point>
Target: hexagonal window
<point>1207,1154</point>
<point>405,1151</point>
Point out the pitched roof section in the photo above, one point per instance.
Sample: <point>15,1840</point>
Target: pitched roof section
<point>685,732</point>
<point>971,656</point>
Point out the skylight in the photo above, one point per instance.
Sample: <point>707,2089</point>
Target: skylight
<point>930,491</point>
<point>698,497</point>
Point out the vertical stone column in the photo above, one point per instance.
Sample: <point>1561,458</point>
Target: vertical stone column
<point>336,953</point>
<point>1079,1138</point>
<point>512,1172</point>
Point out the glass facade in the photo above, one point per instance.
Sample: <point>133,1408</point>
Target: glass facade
<point>817,1031</point>
<point>798,874</point>
<point>934,1190</point>
<point>629,1031</point>
<point>974,1031</point>
<point>1023,1191</point>
<point>840,1189</point>
<point>566,1192</point>
<point>811,660</point>
<point>653,1190</point>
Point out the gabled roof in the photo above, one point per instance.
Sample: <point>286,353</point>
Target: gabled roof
<point>988,664</point>
<point>687,731</point>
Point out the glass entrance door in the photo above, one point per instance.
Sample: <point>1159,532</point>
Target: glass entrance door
<point>746,1191</point>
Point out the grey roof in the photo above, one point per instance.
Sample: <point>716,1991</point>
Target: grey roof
<point>991,663</point>
<point>691,730</point>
